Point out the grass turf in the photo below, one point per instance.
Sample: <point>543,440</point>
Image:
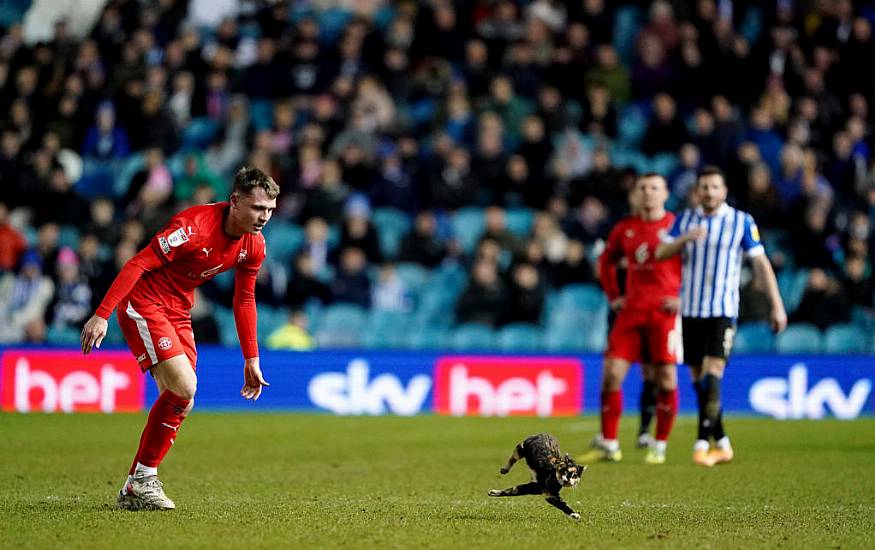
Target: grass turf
<point>289,480</point>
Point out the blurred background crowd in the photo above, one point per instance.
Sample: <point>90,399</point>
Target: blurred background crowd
<point>449,169</point>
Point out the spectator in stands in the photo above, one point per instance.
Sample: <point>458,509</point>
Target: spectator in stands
<point>105,140</point>
<point>293,335</point>
<point>351,283</point>
<point>389,292</point>
<point>666,132</point>
<point>357,230</point>
<point>496,229</point>
<point>393,187</point>
<point>23,301</point>
<point>524,302</point>
<point>483,299</point>
<point>610,73</point>
<point>304,284</point>
<point>195,173</point>
<point>575,268</point>
<point>422,245</point>
<point>857,283</point>
<point>72,301</point>
<point>12,243</point>
<point>823,303</point>
<point>451,184</point>
<point>316,244</point>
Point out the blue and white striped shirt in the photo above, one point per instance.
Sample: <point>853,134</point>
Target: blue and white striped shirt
<point>712,267</point>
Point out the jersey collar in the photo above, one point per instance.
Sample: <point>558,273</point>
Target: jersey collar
<point>722,211</point>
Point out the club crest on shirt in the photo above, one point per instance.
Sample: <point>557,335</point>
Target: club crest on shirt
<point>241,256</point>
<point>164,343</point>
<point>629,233</point>
<point>177,238</point>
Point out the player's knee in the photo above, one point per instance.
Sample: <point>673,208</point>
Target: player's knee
<point>188,408</point>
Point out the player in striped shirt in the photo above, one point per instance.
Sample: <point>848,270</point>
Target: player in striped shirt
<point>713,238</point>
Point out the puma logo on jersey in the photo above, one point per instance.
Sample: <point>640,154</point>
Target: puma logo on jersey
<point>207,252</point>
<point>641,253</point>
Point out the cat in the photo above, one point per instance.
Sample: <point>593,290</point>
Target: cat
<point>551,471</point>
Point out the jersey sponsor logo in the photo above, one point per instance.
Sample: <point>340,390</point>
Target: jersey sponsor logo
<point>241,256</point>
<point>755,232</point>
<point>67,381</point>
<point>502,386</point>
<point>164,343</point>
<point>211,271</point>
<point>642,254</point>
<point>177,238</point>
<point>165,246</point>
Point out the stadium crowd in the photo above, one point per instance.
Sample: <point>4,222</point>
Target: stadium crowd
<point>459,162</point>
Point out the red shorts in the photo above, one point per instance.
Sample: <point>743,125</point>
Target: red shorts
<point>156,333</point>
<point>653,331</point>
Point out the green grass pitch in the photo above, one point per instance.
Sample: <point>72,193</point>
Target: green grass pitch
<point>294,480</point>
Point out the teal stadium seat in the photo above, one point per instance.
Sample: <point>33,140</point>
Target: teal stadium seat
<point>63,336</point>
<point>391,225</point>
<point>68,235</point>
<point>387,329</point>
<point>520,337</point>
<point>129,167</point>
<point>414,276</point>
<point>283,239</point>
<point>627,23</point>
<point>341,326</point>
<point>583,296</point>
<point>841,339</point>
<point>792,285</point>
<point>468,225</point>
<point>428,337</point>
<point>664,163</point>
<point>473,336</point>
<point>754,337</point>
<point>199,134</point>
<point>227,328</point>
<point>270,319</point>
<point>567,338</point>
<point>520,221</point>
<point>631,126</point>
<point>799,338</point>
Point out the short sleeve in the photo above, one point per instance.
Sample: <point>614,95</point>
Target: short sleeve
<point>750,241</point>
<point>174,240</point>
<point>675,231</point>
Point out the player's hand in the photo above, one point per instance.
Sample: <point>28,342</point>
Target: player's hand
<point>618,303</point>
<point>697,233</point>
<point>93,333</point>
<point>778,319</point>
<point>253,381</point>
<point>671,304</point>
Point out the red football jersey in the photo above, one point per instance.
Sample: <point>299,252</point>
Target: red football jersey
<point>194,248</point>
<point>648,281</point>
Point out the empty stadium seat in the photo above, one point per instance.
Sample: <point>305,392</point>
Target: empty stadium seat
<point>566,338</point>
<point>341,326</point>
<point>387,329</point>
<point>799,338</point>
<point>199,133</point>
<point>414,276</point>
<point>631,126</point>
<point>588,297</point>
<point>845,339</point>
<point>283,239</point>
<point>520,220</point>
<point>520,337</point>
<point>391,226</point>
<point>754,337</point>
<point>270,319</point>
<point>468,225</point>
<point>664,163</point>
<point>792,284</point>
<point>427,337</point>
<point>472,336</point>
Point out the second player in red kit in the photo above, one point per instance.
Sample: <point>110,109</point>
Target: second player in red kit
<point>646,320</point>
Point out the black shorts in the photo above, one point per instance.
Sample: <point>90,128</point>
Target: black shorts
<point>710,336</point>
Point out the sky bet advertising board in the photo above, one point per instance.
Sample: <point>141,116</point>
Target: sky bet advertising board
<point>400,383</point>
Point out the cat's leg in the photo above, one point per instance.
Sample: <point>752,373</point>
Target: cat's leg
<point>557,501</point>
<point>530,488</point>
<point>517,454</point>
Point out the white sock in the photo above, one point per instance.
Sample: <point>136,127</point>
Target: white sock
<point>723,443</point>
<point>660,446</point>
<point>612,445</point>
<point>145,471</point>
<point>124,490</point>
<point>701,445</point>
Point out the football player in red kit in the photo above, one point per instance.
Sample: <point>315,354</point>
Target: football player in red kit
<point>647,321</point>
<point>154,293</point>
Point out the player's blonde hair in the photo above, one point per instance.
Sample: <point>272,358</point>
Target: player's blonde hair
<point>248,178</point>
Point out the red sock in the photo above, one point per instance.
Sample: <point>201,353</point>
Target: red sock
<point>612,408</point>
<point>666,410</point>
<point>164,420</point>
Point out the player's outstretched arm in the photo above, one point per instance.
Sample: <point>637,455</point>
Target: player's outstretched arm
<point>666,250</point>
<point>93,333</point>
<point>253,380</point>
<point>762,270</point>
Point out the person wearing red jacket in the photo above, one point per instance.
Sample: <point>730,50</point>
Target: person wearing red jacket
<point>154,294</point>
<point>647,322</point>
